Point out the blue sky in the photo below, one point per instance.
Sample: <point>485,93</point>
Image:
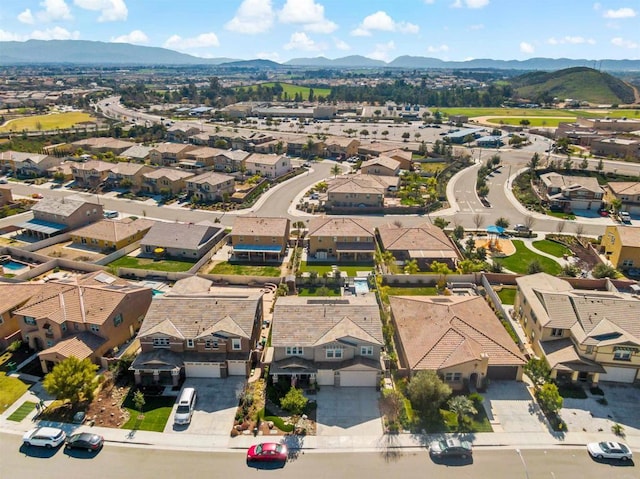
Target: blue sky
<point>382,29</point>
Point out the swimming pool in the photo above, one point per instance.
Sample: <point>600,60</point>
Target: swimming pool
<point>156,292</point>
<point>14,265</point>
<point>361,285</point>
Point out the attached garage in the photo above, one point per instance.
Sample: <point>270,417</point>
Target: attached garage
<point>237,368</point>
<point>619,375</point>
<point>324,377</point>
<point>502,372</point>
<point>202,370</point>
<point>358,378</point>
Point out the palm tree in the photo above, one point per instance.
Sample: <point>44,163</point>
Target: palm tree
<point>462,406</point>
<point>336,170</point>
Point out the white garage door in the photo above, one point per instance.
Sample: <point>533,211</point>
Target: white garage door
<point>202,370</point>
<point>620,375</point>
<point>237,368</point>
<point>358,378</point>
<point>325,377</point>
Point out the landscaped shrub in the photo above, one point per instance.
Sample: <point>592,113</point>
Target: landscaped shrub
<point>596,391</point>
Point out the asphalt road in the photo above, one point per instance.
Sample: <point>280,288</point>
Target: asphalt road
<point>129,462</point>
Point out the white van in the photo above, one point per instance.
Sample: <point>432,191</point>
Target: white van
<point>186,404</point>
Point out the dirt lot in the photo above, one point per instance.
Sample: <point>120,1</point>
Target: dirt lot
<point>76,252</point>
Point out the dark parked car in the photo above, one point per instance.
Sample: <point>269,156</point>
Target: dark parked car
<point>450,448</point>
<point>268,452</point>
<point>85,440</point>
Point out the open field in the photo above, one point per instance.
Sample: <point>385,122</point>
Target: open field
<point>291,89</point>
<point>46,122</point>
<point>516,112</point>
<point>533,122</point>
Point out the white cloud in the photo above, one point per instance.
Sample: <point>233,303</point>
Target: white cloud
<point>382,51</point>
<point>136,36</point>
<point>204,40</point>
<point>381,21</point>
<point>26,17</point>
<point>300,41</point>
<point>55,33</point>
<point>620,13</point>
<point>253,16</point>
<point>110,10</point>
<point>307,13</point>
<point>526,47</point>
<point>341,44</point>
<point>9,37</point>
<point>621,42</point>
<point>54,10</point>
<point>470,3</point>
<point>571,40</point>
<point>438,48</point>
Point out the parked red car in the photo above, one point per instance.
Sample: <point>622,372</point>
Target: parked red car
<point>268,452</point>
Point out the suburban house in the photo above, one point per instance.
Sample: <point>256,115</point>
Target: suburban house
<point>262,239</point>
<point>381,165</point>
<point>169,154</point>
<point>231,160</point>
<point>5,196</point>
<point>341,148</point>
<point>27,164</point>
<point>249,142</point>
<point>181,240</point>
<point>137,153</point>
<point>199,335</point>
<point>271,147</point>
<point>62,172</point>
<point>91,173</point>
<point>628,192</point>
<point>341,239</point>
<point>203,157</point>
<point>584,335</point>
<point>425,244</point>
<point>210,186</point>
<point>269,166</point>
<point>617,147</point>
<point>326,341</point>
<point>359,191</point>
<point>103,145</point>
<point>52,216</point>
<point>88,316</point>
<point>180,134</point>
<point>128,175</point>
<point>165,180</point>
<point>621,245</point>
<point>458,337</point>
<point>12,297</point>
<point>112,234</point>
<point>369,150</point>
<point>570,193</point>
<point>405,158</point>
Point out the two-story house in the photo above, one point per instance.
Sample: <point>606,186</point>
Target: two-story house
<point>12,297</point>
<point>628,192</point>
<point>341,148</point>
<point>200,158</point>
<point>358,191</point>
<point>103,145</point>
<point>327,341</point>
<point>181,240</point>
<point>584,335</point>
<point>27,164</point>
<point>137,153</point>
<point>621,245</point>
<point>169,154</point>
<point>269,166</point>
<point>165,181</point>
<point>198,335</point>
<point>571,193</point>
<point>86,317</point>
<point>91,173</point>
<point>128,175</point>
<point>52,216</point>
<point>111,234</point>
<point>231,161</point>
<point>262,239</point>
<point>381,165</point>
<point>341,239</point>
<point>210,186</point>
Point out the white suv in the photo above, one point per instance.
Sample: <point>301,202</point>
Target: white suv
<point>48,437</point>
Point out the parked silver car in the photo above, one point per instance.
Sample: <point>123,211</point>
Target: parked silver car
<point>609,450</point>
<point>48,437</point>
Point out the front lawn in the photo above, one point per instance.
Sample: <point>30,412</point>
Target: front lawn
<point>174,266</point>
<point>507,295</point>
<point>22,412</point>
<point>245,270</point>
<point>520,260</point>
<point>10,390</point>
<point>551,247</point>
<point>421,291</point>
<point>156,412</point>
<point>350,268</point>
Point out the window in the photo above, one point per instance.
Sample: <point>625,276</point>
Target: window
<point>556,332</point>
<point>211,344</point>
<point>189,343</point>
<point>63,326</point>
<point>366,351</point>
<point>161,342</point>
<point>117,320</point>
<point>294,351</point>
<point>30,320</point>
<point>334,353</point>
<point>95,328</point>
<point>622,355</point>
<point>236,344</point>
<point>49,343</point>
<point>452,377</point>
<point>627,263</point>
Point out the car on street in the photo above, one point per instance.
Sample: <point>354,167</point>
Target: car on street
<point>625,217</point>
<point>272,452</point>
<point>37,196</point>
<point>85,440</point>
<point>521,228</point>
<point>48,437</point>
<point>610,450</point>
<point>3,181</point>
<point>450,448</point>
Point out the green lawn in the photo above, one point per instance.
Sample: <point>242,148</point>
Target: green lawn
<point>519,261</point>
<point>350,268</point>
<point>291,89</point>
<point>23,411</point>
<point>507,295</point>
<point>552,248</point>
<point>10,390</point>
<point>245,270</point>
<point>534,122</point>
<point>157,410</point>
<point>418,291</point>
<point>151,264</point>
<point>314,290</point>
<point>432,167</point>
<point>515,112</point>
<point>46,122</point>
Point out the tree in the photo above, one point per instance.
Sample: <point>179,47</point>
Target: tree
<point>139,401</point>
<point>534,267</point>
<point>529,221</point>
<point>405,136</point>
<point>602,270</point>
<point>458,232</point>
<point>364,133</point>
<point>502,222</point>
<point>441,222</point>
<point>336,170</point>
<point>384,133</point>
<point>600,166</point>
<point>584,164</point>
<point>72,380</point>
<point>560,226</point>
<point>478,220</point>
<point>294,401</point>
<point>411,267</point>
<point>534,162</point>
<point>462,407</point>
<point>538,371</point>
<point>427,392</point>
<point>549,398</point>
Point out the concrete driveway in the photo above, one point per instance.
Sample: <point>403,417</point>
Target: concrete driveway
<point>511,408</point>
<point>215,408</point>
<point>348,412</point>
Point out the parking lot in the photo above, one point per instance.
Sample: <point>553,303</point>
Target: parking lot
<point>348,412</point>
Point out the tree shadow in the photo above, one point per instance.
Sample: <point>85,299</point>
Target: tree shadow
<point>390,447</point>
<point>294,443</point>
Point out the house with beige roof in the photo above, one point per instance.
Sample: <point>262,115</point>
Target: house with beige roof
<point>165,180</point>
<point>169,154</point>
<point>128,175</point>
<point>111,234</point>
<point>621,245</point>
<point>231,161</point>
<point>572,193</point>
<point>424,243</point>
<point>198,334</point>
<point>269,166</point>
<point>210,186</point>
<point>91,173</point>
<point>103,145</point>
<point>200,158</point>
<point>359,191</point>
<point>12,296</point>
<point>341,239</point>
<point>458,337</point>
<point>340,147</point>
<point>381,165</point>
<point>86,316</point>
<point>584,335</point>
<point>27,164</point>
<point>405,158</point>
<point>628,192</point>
<point>52,216</point>
<point>181,240</point>
<point>326,341</point>
<point>138,153</point>
<point>261,239</point>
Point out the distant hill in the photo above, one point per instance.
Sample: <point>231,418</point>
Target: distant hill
<point>85,52</point>
<point>577,83</point>
<point>353,61</point>
<point>266,64</point>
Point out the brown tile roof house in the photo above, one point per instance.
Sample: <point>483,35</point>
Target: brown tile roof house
<point>86,316</point>
<point>92,172</point>
<point>358,191</point>
<point>382,165</point>
<point>198,335</point>
<point>211,186</point>
<point>341,238</point>
<point>572,192</point>
<point>264,238</point>
<point>170,179</point>
<point>459,337</point>
<point>169,153</point>
<point>424,243</point>
<point>113,234</point>
<point>182,240</point>
<point>12,296</point>
<point>328,341</point>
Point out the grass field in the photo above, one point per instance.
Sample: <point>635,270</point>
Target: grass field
<point>10,390</point>
<point>514,112</point>
<point>520,260</point>
<point>534,122</point>
<point>46,122</point>
<point>23,411</point>
<point>245,270</point>
<point>552,248</point>
<point>420,291</point>
<point>291,89</point>
<point>507,295</point>
<point>150,264</point>
<point>156,413</point>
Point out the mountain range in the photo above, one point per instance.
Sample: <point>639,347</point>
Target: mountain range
<point>89,52</point>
